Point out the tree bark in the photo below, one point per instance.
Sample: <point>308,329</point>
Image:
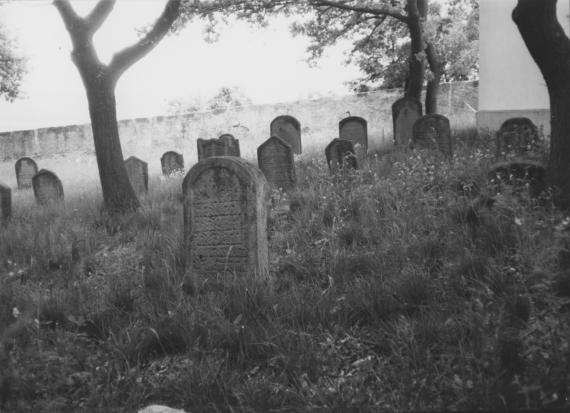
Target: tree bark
<point>550,48</point>
<point>432,89</point>
<point>417,62</point>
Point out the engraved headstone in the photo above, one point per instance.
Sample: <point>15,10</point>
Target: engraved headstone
<point>405,112</point>
<point>289,129</point>
<point>137,170</point>
<point>355,129</point>
<point>47,187</point>
<point>275,159</point>
<point>5,202</point>
<point>171,162</point>
<point>225,145</point>
<point>26,168</point>
<point>517,136</point>
<point>225,218</point>
<point>340,154</point>
<point>433,132</point>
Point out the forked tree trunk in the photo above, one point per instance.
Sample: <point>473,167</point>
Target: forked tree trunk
<point>550,48</point>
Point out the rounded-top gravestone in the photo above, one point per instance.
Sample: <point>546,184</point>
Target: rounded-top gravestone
<point>289,129</point>
<point>433,132</point>
<point>5,202</point>
<point>47,187</point>
<point>171,162</point>
<point>137,171</point>
<point>26,168</point>
<point>225,218</point>
<point>405,112</point>
<point>225,145</point>
<point>340,155</point>
<point>517,136</point>
<point>355,129</point>
<point>275,159</point>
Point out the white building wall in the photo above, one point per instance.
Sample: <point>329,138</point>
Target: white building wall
<point>510,84</point>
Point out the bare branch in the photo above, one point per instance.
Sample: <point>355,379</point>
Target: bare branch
<point>98,15</point>
<point>73,23</point>
<point>376,10</point>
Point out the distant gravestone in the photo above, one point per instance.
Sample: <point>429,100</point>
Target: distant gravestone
<point>517,136</point>
<point>225,218</point>
<point>171,162</point>
<point>289,129</point>
<point>5,202</point>
<point>47,187</point>
<point>355,129</point>
<point>225,145</point>
<point>275,159</point>
<point>340,154</point>
<point>26,168</point>
<point>433,132</point>
<point>405,112</point>
<point>137,170</point>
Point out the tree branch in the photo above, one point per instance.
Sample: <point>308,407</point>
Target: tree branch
<point>377,11</point>
<point>128,56</point>
<point>74,24</point>
<point>98,15</point>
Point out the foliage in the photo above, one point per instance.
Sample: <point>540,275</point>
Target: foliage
<point>12,67</point>
<point>225,98</point>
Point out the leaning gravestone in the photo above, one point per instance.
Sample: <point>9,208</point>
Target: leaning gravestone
<point>171,162</point>
<point>137,170</point>
<point>47,187</point>
<point>225,218</point>
<point>340,154</point>
<point>5,202</point>
<point>433,132</point>
<point>517,136</point>
<point>405,112</point>
<point>26,168</point>
<point>275,159</point>
<point>355,129</point>
<point>289,129</point>
<point>225,145</point>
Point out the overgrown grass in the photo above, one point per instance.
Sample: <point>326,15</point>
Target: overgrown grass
<point>406,285</point>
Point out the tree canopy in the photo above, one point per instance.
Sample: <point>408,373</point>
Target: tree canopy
<point>12,67</point>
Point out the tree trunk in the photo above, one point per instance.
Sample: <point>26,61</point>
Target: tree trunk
<point>432,90</point>
<point>550,48</point>
<point>417,62</point>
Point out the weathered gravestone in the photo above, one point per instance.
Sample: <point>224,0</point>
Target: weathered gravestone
<point>5,202</point>
<point>433,132</point>
<point>47,187</point>
<point>171,162</point>
<point>289,129</point>
<point>340,154</point>
<point>137,170</point>
<point>355,129</point>
<point>225,145</point>
<point>518,174</point>
<point>517,136</point>
<point>26,168</point>
<point>225,218</point>
<point>405,112</point>
<point>275,159</point>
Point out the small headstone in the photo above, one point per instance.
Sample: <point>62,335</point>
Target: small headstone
<point>405,112</point>
<point>47,187</point>
<point>355,129</point>
<point>26,168</point>
<point>171,162</point>
<point>340,154</point>
<point>275,159</point>
<point>289,129</point>
<point>518,174</point>
<point>433,132</point>
<point>5,202</point>
<point>225,145</point>
<point>137,170</point>
<point>517,136</point>
<point>225,218</point>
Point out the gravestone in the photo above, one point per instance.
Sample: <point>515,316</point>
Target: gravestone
<point>340,154</point>
<point>47,187</point>
<point>518,174</point>
<point>517,136</point>
<point>405,112</point>
<point>355,129</point>
<point>289,129</point>
<point>225,218</point>
<point>137,170</point>
<point>171,162</point>
<point>26,168</point>
<point>433,132</point>
<point>275,159</point>
<point>5,202</point>
<point>225,145</point>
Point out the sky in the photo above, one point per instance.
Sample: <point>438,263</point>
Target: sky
<point>268,65</point>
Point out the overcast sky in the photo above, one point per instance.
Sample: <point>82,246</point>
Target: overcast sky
<point>268,65</point>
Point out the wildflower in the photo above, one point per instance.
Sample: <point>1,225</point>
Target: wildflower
<point>15,312</point>
<point>518,221</point>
